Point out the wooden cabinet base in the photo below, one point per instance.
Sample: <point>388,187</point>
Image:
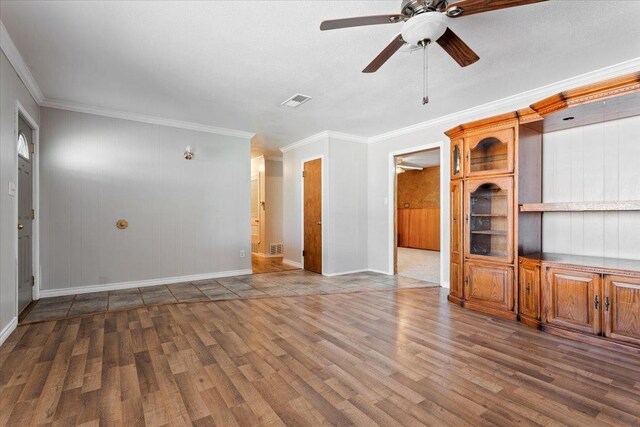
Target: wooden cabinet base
<point>454,299</point>
<point>533,323</point>
<point>509,315</point>
<point>590,339</point>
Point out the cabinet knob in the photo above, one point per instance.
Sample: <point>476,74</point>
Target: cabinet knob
<point>20,226</point>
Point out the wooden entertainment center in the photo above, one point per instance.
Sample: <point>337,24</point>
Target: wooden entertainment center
<point>497,263</point>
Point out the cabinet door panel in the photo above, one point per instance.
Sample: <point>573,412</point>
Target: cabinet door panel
<point>456,279</point>
<point>488,218</point>
<point>489,153</point>
<point>622,308</point>
<point>529,290</point>
<point>573,300</point>
<point>457,157</point>
<point>489,285</point>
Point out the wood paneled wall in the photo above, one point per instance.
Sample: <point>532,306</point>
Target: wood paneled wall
<point>419,189</point>
<point>599,162</point>
<point>419,228</point>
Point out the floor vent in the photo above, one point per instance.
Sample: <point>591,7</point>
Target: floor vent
<point>275,249</point>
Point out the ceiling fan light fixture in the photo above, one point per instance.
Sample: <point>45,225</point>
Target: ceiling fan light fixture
<point>454,11</point>
<point>426,26</point>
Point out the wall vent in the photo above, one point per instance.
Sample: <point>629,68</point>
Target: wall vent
<point>275,249</point>
<point>296,100</point>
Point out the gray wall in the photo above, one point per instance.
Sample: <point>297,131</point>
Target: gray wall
<point>273,198</point>
<point>600,162</point>
<point>185,217</point>
<point>344,204</point>
<point>11,90</point>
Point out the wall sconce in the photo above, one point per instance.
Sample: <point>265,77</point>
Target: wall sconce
<point>188,154</point>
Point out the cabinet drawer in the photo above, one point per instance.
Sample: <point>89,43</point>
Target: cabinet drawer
<point>573,300</point>
<point>622,308</point>
<point>529,290</point>
<point>489,285</point>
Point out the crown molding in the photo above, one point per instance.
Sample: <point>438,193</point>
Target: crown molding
<point>16,60</point>
<point>308,140</point>
<point>348,137</point>
<point>520,100</point>
<point>107,112</point>
<point>324,134</point>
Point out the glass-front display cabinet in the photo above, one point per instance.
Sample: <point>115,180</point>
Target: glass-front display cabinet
<point>489,219</point>
<point>456,158</point>
<point>490,153</point>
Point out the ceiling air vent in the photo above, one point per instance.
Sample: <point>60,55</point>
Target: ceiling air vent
<point>296,100</point>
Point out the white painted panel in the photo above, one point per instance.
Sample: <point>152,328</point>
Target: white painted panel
<point>599,162</point>
<point>185,217</point>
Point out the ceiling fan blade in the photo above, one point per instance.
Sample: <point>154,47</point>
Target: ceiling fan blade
<point>469,7</point>
<point>386,53</point>
<point>360,21</point>
<point>458,49</point>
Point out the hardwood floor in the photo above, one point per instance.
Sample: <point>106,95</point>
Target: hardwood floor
<point>269,265</point>
<point>404,357</point>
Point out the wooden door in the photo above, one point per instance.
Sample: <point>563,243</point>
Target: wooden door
<point>489,153</point>
<point>457,157</point>
<point>488,217</point>
<point>529,290</point>
<point>622,308</point>
<point>456,238</point>
<point>573,300</point>
<point>489,285</point>
<point>312,251</point>
<point>25,215</point>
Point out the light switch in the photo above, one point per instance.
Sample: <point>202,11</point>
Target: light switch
<point>12,188</point>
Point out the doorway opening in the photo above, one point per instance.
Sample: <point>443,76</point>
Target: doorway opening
<point>266,216</point>
<point>26,213</point>
<point>417,215</point>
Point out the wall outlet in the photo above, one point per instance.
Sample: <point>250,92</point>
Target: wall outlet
<point>241,254</point>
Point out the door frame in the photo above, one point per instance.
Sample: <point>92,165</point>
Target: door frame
<point>323,205</point>
<point>444,205</point>
<point>21,111</point>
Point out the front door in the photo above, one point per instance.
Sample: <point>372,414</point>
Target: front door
<point>25,214</point>
<point>312,253</point>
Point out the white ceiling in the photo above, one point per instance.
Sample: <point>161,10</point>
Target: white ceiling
<point>423,159</point>
<point>231,63</point>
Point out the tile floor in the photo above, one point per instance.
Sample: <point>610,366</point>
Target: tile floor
<point>288,283</point>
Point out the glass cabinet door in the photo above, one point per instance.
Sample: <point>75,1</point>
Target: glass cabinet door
<point>456,158</point>
<point>490,153</point>
<point>489,219</point>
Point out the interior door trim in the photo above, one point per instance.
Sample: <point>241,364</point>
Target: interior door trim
<point>21,111</point>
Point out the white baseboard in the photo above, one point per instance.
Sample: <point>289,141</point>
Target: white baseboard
<point>346,272</point>
<point>293,263</point>
<point>386,273</point>
<point>261,255</point>
<point>6,331</point>
<point>44,293</point>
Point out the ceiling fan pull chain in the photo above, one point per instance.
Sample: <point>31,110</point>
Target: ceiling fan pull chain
<point>425,82</point>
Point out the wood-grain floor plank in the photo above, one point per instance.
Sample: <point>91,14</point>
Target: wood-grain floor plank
<point>385,357</point>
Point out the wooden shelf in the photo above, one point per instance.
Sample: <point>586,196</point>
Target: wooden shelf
<point>490,215</point>
<point>623,205</point>
<point>490,232</point>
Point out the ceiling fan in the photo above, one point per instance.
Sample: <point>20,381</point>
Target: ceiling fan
<point>425,21</point>
<point>402,167</point>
